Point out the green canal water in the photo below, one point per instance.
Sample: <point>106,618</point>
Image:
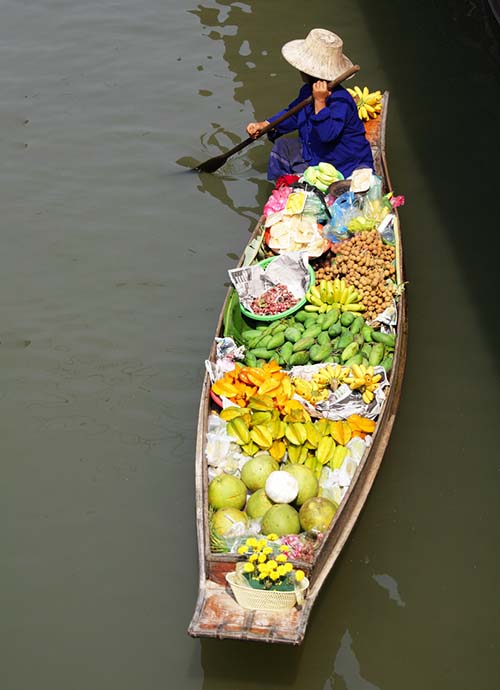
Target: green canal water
<point>113,266</point>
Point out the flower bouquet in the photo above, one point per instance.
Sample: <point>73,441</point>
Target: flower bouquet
<point>266,579</point>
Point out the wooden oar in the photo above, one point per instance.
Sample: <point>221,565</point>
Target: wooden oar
<point>215,163</point>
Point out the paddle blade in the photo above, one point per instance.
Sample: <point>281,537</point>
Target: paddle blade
<point>212,164</point>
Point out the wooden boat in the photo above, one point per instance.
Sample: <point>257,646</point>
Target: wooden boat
<point>217,615</point>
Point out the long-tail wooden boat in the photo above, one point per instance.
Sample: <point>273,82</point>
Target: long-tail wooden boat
<point>217,615</point>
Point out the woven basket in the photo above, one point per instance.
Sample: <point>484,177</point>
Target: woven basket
<point>264,599</point>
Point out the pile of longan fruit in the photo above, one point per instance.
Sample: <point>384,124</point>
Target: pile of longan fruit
<point>366,263</point>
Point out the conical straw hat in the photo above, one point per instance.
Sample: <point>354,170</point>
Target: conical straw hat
<point>318,55</point>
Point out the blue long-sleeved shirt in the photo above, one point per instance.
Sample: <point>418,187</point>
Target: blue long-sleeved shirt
<point>335,135</point>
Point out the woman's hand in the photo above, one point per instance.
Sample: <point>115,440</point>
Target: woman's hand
<point>255,128</point>
<point>320,93</point>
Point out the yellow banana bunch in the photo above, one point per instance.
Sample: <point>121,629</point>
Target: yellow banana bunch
<point>364,380</point>
<point>369,103</point>
<point>327,375</point>
<point>333,294</point>
<point>310,390</point>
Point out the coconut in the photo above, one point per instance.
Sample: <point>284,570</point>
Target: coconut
<point>258,504</point>
<point>227,491</point>
<point>308,484</point>
<point>317,513</point>
<point>226,518</point>
<point>255,471</point>
<point>281,487</point>
<point>281,519</point>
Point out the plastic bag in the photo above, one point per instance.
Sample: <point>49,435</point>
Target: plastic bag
<point>345,208</point>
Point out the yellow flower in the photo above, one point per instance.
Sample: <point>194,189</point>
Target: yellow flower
<point>262,558</point>
<point>267,550</point>
<point>282,571</point>
<point>251,541</point>
<point>262,576</point>
<point>254,557</point>
<point>299,575</point>
<point>261,543</point>
<point>288,567</point>
<point>274,575</point>
<point>284,548</point>
<point>272,536</point>
<point>242,550</point>
<point>248,568</point>
<point>263,568</point>
<point>272,564</point>
<point>281,558</point>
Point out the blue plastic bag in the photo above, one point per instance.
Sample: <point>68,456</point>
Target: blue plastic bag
<point>343,210</point>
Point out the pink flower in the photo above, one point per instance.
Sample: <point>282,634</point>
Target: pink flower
<point>277,200</point>
<point>397,201</point>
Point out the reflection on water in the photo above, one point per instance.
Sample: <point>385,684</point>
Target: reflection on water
<point>389,583</point>
<point>347,671</point>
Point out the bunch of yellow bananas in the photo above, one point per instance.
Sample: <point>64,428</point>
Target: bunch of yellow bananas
<point>369,104</point>
<point>364,380</point>
<point>333,372</point>
<point>333,294</point>
<point>310,390</point>
<point>322,381</point>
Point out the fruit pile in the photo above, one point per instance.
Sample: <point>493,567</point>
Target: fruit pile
<point>310,337</point>
<point>290,467</point>
<point>367,264</point>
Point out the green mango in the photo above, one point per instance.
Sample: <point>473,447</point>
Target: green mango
<point>349,351</point>
<point>323,339</point>
<point>292,334</point>
<point>312,331</point>
<point>331,317</point>
<point>355,359</point>
<point>388,339</point>
<point>335,329</point>
<point>250,360</point>
<point>357,325</point>
<point>304,343</point>
<point>347,318</point>
<point>276,341</point>
<point>317,353</point>
<point>345,340</point>
<point>377,354</point>
<point>299,358</point>
<point>286,352</point>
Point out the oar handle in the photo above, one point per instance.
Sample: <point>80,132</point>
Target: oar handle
<point>331,85</point>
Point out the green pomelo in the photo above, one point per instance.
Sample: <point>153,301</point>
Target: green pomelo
<point>227,491</point>
<point>317,513</point>
<point>258,504</point>
<point>225,518</point>
<point>255,472</point>
<point>308,484</point>
<point>281,519</point>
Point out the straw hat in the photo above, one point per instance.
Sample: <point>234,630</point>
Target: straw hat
<point>318,55</point>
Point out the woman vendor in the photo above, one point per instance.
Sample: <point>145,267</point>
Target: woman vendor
<point>330,129</point>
